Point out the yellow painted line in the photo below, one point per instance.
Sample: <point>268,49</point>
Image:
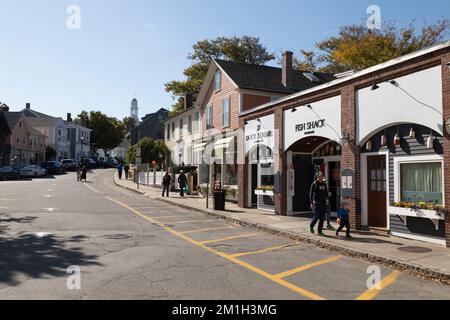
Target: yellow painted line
<point>193,221</point>
<point>207,229</point>
<point>236,261</point>
<point>306,267</point>
<point>248,235</point>
<point>373,292</point>
<point>164,217</point>
<point>243,254</point>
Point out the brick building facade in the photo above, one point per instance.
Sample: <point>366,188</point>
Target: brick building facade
<point>384,124</point>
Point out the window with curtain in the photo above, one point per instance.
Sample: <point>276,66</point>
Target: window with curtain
<point>226,112</point>
<point>421,182</point>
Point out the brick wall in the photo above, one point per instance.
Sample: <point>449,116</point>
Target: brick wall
<point>350,158</point>
<point>446,105</point>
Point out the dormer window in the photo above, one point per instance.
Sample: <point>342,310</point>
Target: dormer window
<point>218,81</point>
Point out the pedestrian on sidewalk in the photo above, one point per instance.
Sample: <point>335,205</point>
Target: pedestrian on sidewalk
<point>83,175</point>
<point>344,220</point>
<point>120,170</point>
<point>319,202</point>
<point>126,168</point>
<point>167,181</point>
<point>182,182</point>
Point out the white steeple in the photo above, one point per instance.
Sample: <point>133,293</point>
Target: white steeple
<point>134,111</point>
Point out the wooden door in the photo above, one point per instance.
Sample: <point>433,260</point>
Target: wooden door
<point>376,177</point>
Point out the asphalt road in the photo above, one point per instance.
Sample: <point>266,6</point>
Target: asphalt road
<point>129,247</point>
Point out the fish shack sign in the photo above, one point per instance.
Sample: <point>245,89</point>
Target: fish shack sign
<point>260,132</point>
<point>322,119</point>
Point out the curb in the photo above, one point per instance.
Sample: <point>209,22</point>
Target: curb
<point>411,268</point>
<point>129,189</point>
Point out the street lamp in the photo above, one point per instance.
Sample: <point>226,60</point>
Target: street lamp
<point>82,142</point>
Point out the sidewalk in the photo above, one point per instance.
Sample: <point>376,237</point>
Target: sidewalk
<point>418,258</point>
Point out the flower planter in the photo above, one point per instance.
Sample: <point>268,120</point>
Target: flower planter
<point>425,214</point>
<point>264,193</point>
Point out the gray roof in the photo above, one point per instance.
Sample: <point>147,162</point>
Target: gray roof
<point>12,118</point>
<point>43,122</point>
<point>265,78</point>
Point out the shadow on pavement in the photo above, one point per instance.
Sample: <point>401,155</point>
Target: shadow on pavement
<point>39,257</point>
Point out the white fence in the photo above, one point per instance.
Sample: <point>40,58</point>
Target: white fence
<point>153,178</point>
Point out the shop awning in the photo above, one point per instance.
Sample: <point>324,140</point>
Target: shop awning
<point>199,147</point>
<point>223,143</point>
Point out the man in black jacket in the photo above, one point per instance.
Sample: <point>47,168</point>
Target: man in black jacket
<point>182,182</point>
<point>319,202</point>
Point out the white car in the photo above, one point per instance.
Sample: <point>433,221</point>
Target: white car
<point>33,171</point>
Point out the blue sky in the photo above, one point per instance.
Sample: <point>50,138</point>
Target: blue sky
<point>135,45</point>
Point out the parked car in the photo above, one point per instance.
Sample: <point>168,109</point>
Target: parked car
<point>112,163</point>
<point>70,164</point>
<point>9,173</point>
<point>54,167</point>
<point>89,162</point>
<point>33,171</point>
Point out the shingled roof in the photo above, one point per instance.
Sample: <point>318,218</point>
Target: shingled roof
<point>12,118</point>
<point>265,78</point>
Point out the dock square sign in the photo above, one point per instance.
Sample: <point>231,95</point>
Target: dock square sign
<point>260,132</point>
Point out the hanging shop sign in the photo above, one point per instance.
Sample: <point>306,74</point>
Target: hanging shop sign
<point>319,119</point>
<point>260,132</point>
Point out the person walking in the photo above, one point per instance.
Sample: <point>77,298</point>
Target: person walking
<point>182,182</point>
<point>319,202</point>
<point>83,175</point>
<point>344,220</point>
<point>167,181</point>
<point>126,168</point>
<point>120,170</point>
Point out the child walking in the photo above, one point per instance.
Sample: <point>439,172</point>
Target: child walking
<point>344,217</point>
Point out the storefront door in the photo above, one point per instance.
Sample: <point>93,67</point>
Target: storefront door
<point>376,177</point>
<point>304,177</point>
<point>334,178</point>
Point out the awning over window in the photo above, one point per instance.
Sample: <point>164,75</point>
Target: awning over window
<point>223,143</point>
<point>199,147</point>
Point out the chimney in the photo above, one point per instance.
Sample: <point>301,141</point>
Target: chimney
<point>288,69</point>
<point>188,101</point>
<point>69,117</point>
<point>28,105</point>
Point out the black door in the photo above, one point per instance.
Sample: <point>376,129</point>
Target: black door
<point>304,177</point>
<point>254,185</point>
<point>334,178</point>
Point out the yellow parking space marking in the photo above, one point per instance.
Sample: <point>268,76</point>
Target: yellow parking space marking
<point>244,254</point>
<point>165,217</point>
<point>306,267</point>
<point>373,292</point>
<point>248,235</point>
<point>236,261</point>
<point>207,229</point>
<point>193,221</point>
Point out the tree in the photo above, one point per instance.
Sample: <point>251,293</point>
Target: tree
<point>356,47</point>
<point>150,151</point>
<point>245,49</point>
<point>107,132</point>
<point>129,123</point>
<point>50,153</point>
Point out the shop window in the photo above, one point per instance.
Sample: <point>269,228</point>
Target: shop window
<point>421,182</point>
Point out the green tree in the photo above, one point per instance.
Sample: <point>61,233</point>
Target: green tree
<point>50,153</point>
<point>129,123</point>
<point>150,151</point>
<point>239,49</point>
<point>356,47</point>
<point>107,132</point>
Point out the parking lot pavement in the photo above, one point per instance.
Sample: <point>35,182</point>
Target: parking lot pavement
<point>305,269</point>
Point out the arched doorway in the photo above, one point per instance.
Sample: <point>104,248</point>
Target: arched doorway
<point>305,158</point>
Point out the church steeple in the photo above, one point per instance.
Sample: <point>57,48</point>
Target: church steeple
<point>134,111</point>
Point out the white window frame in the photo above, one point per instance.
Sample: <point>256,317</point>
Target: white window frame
<point>209,117</point>
<point>229,112</point>
<point>411,160</point>
<point>218,73</point>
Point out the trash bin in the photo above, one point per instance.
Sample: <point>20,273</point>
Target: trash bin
<point>219,200</point>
